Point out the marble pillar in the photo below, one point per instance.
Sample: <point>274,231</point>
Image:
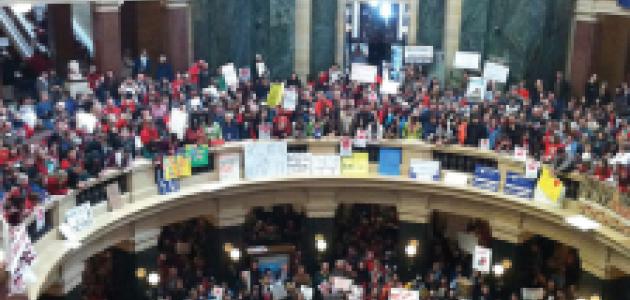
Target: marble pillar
<point>323,33</point>
<point>62,37</point>
<point>280,50</point>
<point>178,34</point>
<point>452,29</point>
<point>303,14</point>
<point>106,32</point>
<point>430,23</point>
<point>582,52</point>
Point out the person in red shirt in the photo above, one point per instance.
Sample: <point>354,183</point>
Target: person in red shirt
<point>321,103</point>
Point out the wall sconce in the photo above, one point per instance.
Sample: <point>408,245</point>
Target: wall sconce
<point>411,249</point>
<point>506,263</point>
<point>141,273</point>
<point>153,279</point>
<point>498,270</point>
<point>235,254</point>
<point>320,243</point>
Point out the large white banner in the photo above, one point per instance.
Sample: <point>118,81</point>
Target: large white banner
<point>265,160</point>
<point>495,72</point>
<point>299,164</point>
<point>482,258</point>
<point>467,60</point>
<point>363,73</point>
<point>325,165</point>
<point>20,256</point>
<point>229,167</point>
<point>79,217</point>
<point>418,54</point>
<point>229,73</point>
<point>424,170</point>
<point>403,294</point>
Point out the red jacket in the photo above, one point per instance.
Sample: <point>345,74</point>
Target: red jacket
<point>148,134</point>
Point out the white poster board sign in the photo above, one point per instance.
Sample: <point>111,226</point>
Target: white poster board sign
<point>495,72</point>
<point>86,121</point>
<point>482,259</point>
<point>531,168</point>
<point>40,217</point>
<point>360,139</point>
<point>20,256</point>
<point>325,165</point>
<point>264,131</point>
<point>79,217</point>
<point>520,153</point>
<point>289,100</point>
<point>403,294</point>
<point>418,54</point>
<point>363,73</point>
<point>307,292</point>
<point>345,146</point>
<point>389,87</point>
<point>265,160</point>
<point>229,167</point>
<point>476,88</point>
<point>178,123</point>
<point>229,73</point>
<point>532,293</point>
<point>467,60</point>
<point>341,284</point>
<point>424,170</point>
<point>453,178</point>
<point>299,164</point>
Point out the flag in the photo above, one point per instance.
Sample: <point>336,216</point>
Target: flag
<point>549,188</point>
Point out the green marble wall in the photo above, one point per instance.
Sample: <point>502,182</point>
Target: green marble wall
<point>532,35</point>
<point>235,30</point>
<point>431,23</point>
<point>323,32</point>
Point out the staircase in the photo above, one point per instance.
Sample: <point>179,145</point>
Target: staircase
<point>12,31</point>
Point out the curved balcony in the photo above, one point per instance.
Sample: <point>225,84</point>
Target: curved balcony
<point>604,251</point>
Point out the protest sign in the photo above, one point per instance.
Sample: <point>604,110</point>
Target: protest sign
<point>198,155</point>
<point>403,294</point>
<point>289,100</point>
<point>265,160</point>
<point>520,153</point>
<point>229,73</point>
<point>467,60</point>
<point>244,74</point>
<point>20,256</point>
<point>299,164</point>
<point>418,54</point>
<point>264,131</point>
<point>325,165</point>
<point>454,178</point>
<point>476,88</point>
<point>229,167</point>
<point>482,258</point>
<point>363,73</point>
<point>345,146</point>
<point>114,201</point>
<point>341,284</point>
<point>86,122</point>
<point>361,138</point>
<point>276,92</point>
<point>424,170</point>
<point>549,190</point>
<point>389,161</point>
<point>486,178</point>
<point>169,167</point>
<point>355,165</point>
<point>79,217</point>
<point>184,167</point>
<point>531,168</point>
<point>495,72</point>
<point>40,217</point>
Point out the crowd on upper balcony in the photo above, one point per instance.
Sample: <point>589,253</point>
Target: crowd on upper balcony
<point>53,140</point>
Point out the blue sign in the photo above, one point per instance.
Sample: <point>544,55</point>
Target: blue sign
<point>486,178</point>
<point>389,161</point>
<point>624,3</point>
<point>519,186</point>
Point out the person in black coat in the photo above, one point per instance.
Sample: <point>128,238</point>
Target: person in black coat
<point>591,91</point>
<point>475,131</point>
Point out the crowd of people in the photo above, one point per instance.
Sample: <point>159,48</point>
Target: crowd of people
<point>47,148</point>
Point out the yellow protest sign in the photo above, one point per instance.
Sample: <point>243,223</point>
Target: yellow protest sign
<point>184,166</point>
<point>275,94</point>
<point>549,186</point>
<point>169,167</point>
<point>356,165</point>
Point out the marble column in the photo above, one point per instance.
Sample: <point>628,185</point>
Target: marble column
<point>303,38</point>
<point>582,52</point>
<point>62,37</point>
<point>341,31</point>
<point>106,32</point>
<point>452,29</point>
<point>178,42</point>
<point>413,22</point>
